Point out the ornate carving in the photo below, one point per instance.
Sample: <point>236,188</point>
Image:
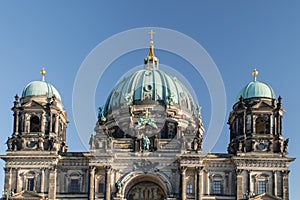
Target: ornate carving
<point>145,166</point>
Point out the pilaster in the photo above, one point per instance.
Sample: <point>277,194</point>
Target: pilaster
<point>239,184</point>
<point>92,183</point>
<point>183,182</point>
<point>200,180</point>
<point>52,183</point>
<point>285,184</point>
<point>107,182</point>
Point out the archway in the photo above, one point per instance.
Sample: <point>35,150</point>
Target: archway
<point>146,191</point>
<point>150,186</point>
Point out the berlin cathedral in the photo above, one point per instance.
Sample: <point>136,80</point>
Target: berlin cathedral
<point>147,145</point>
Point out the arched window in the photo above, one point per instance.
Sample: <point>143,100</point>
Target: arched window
<point>189,188</point>
<point>101,184</point>
<point>217,184</point>
<point>35,124</point>
<point>261,187</point>
<point>260,125</point>
<point>30,184</point>
<point>261,183</point>
<point>74,181</point>
<point>74,185</point>
<point>30,181</point>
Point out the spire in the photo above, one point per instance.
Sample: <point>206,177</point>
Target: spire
<point>151,49</point>
<point>151,62</point>
<point>254,74</point>
<point>43,72</point>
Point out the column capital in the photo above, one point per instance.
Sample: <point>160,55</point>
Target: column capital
<point>239,171</point>
<point>199,169</point>
<point>285,172</point>
<point>92,168</point>
<point>107,168</point>
<point>183,169</point>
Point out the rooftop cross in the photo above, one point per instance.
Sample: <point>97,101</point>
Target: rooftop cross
<point>43,72</point>
<point>151,33</point>
<point>254,74</point>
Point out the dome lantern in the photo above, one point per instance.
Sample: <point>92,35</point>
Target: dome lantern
<point>151,62</point>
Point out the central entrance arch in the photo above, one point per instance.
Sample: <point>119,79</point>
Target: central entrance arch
<point>146,191</point>
<point>146,186</point>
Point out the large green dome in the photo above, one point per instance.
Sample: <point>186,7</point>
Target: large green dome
<point>149,86</point>
<point>256,89</point>
<point>40,88</point>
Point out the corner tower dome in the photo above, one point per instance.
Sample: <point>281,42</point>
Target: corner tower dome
<point>256,89</point>
<point>40,88</point>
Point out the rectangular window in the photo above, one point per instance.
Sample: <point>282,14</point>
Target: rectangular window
<point>217,187</point>
<point>101,188</point>
<point>30,184</point>
<point>261,187</point>
<point>74,185</point>
<point>189,189</point>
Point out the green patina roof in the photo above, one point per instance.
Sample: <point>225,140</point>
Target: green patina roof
<point>256,89</point>
<point>150,84</point>
<point>40,88</point>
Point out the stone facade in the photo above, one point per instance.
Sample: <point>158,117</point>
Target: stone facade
<point>146,149</point>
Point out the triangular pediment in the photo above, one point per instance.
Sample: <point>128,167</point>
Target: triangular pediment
<point>265,196</point>
<point>263,106</point>
<point>26,195</point>
<point>33,104</point>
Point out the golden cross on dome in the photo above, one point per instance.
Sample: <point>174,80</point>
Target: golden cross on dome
<point>151,49</point>
<point>151,33</point>
<point>254,74</point>
<point>43,72</point>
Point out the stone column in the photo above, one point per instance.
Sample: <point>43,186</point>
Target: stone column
<point>56,123</point>
<point>107,182</point>
<point>230,184</point>
<point>183,182</point>
<point>42,180</point>
<point>199,178</point>
<point>25,115</point>
<point>16,122</point>
<point>246,182</point>
<point>18,181</point>
<point>285,184</point>
<point>52,183</point>
<point>50,122</point>
<point>239,184</point>
<point>8,176</point>
<point>274,183</point>
<point>204,182</point>
<point>43,122</point>
<point>92,183</point>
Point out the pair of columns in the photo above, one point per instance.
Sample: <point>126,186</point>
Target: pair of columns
<point>198,188</point>
<point>279,188</point>
<point>107,183</point>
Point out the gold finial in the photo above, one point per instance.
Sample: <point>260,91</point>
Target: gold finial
<point>254,74</point>
<point>43,72</point>
<point>151,50</point>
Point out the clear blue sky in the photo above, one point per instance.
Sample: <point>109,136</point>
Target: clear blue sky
<point>238,35</point>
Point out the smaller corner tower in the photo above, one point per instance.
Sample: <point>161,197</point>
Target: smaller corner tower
<point>256,120</point>
<point>260,152</point>
<point>40,120</point>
